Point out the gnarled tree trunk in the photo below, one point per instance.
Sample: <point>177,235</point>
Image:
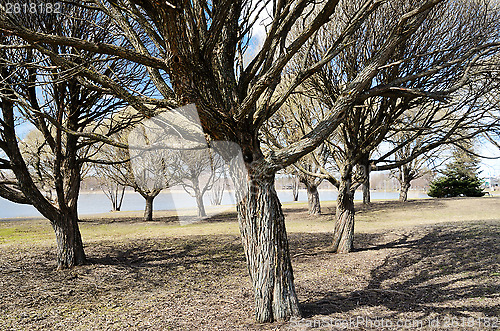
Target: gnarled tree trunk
<point>406,175</point>
<point>403,192</point>
<point>67,183</point>
<point>343,234</point>
<point>313,200</point>
<point>311,185</point>
<point>69,241</point>
<point>263,233</point>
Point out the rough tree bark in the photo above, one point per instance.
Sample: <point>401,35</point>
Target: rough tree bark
<point>69,241</point>
<point>311,185</point>
<point>148,210</point>
<point>405,177</point>
<point>313,200</point>
<point>403,192</point>
<point>67,183</point>
<point>264,238</point>
<point>343,234</point>
<point>366,191</point>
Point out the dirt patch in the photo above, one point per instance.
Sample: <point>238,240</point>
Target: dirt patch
<point>445,271</point>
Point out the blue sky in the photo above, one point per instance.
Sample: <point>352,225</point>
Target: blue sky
<point>490,168</point>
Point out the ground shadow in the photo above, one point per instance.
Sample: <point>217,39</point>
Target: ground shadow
<point>171,253</point>
<point>174,220</point>
<point>311,243</point>
<point>222,217</point>
<point>294,209</point>
<point>395,205</point>
<point>448,264</point>
<point>131,219</point>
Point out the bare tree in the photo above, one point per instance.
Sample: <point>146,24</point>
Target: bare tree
<point>197,171</point>
<point>311,183</point>
<point>61,107</point>
<point>423,72</point>
<point>417,167</point>
<point>148,174</point>
<point>217,192</point>
<point>113,191</point>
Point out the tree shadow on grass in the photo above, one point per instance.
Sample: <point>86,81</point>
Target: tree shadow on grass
<point>131,219</point>
<point>171,253</point>
<point>231,216</point>
<point>448,263</point>
<point>294,209</point>
<point>305,243</point>
<point>450,270</point>
<point>396,205</point>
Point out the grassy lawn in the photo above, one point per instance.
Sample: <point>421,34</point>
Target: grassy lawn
<point>381,215</point>
<point>424,260</point>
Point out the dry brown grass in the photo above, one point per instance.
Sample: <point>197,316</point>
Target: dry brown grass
<point>426,260</point>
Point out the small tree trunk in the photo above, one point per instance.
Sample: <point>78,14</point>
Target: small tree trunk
<point>343,235</point>
<point>200,204</point>
<point>114,201</point>
<point>313,200</point>
<point>262,226</point>
<point>295,190</point>
<point>148,211</point>
<point>69,241</point>
<point>365,167</point>
<point>403,193</point>
<point>118,200</point>
<point>366,191</point>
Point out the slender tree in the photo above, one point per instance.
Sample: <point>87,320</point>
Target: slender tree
<point>197,171</point>
<point>147,175</point>
<point>113,191</point>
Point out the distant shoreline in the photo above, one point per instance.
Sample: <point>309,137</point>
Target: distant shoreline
<point>94,203</point>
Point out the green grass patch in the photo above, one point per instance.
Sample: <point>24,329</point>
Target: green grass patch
<point>25,233</point>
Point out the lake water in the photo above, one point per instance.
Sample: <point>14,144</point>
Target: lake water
<point>93,203</point>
